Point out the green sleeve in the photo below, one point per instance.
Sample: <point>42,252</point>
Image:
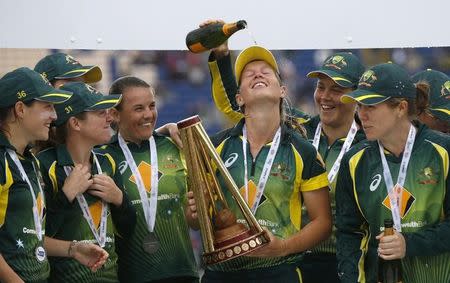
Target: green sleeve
<point>433,239</point>
<point>224,87</point>
<point>352,230</point>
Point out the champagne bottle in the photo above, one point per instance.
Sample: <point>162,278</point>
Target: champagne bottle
<point>389,271</point>
<point>212,35</point>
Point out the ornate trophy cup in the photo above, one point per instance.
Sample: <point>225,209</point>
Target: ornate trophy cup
<point>223,238</point>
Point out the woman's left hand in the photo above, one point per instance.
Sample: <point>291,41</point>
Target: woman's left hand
<point>275,248</point>
<point>105,188</point>
<point>391,247</point>
<point>89,255</point>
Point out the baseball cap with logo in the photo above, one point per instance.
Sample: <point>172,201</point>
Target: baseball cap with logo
<point>63,66</point>
<point>84,98</point>
<point>250,54</point>
<point>343,68</point>
<point>439,92</point>
<point>26,85</point>
<point>381,82</point>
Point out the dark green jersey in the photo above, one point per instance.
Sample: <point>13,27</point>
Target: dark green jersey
<point>224,90</point>
<point>329,154</point>
<point>65,220</point>
<point>363,204</point>
<point>175,256</point>
<point>297,168</point>
<point>18,240</point>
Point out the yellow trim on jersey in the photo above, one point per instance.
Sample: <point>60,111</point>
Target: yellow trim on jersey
<point>295,205</point>
<point>363,247</point>
<point>445,164</point>
<point>113,163</point>
<point>444,156</point>
<point>220,96</point>
<point>353,163</point>
<point>4,193</point>
<point>52,176</point>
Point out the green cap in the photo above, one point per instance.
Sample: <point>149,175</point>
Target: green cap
<point>381,82</point>
<point>250,54</point>
<point>26,85</point>
<point>439,92</point>
<point>343,68</point>
<point>63,66</point>
<point>84,98</point>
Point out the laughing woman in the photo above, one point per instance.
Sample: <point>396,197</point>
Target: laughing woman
<point>26,111</point>
<point>154,177</point>
<point>84,189</point>
<point>401,173</point>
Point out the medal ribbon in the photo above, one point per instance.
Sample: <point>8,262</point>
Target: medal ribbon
<point>266,169</point>
<point>394,197</point>
<point>100,235</point>
<point>37,218</point>
<point>148,205</point>
<point>345,147</point>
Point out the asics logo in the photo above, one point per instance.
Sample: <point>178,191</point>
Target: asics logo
<point>231,159</point>
<point>123,166</point>
<point>375,183</point>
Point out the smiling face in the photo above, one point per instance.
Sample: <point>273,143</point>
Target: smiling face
<point>259,84</point>
<point>327,97</point>
<point>37,118</point>
<point>137,116</point>
<point>96,126</point>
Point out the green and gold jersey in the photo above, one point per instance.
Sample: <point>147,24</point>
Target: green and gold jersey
<point>363,204</point>
<point>175,257</point>
<point>224,90</point>
<point>329,154</point>
<point>65,220</point>
<point>297,168</point>
<point>18,240</point>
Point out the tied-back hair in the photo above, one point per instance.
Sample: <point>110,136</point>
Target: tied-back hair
<point>120,85</point>
<point>4,114</point>
<point>418,105</point>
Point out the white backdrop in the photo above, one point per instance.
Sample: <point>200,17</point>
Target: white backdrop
<point>282,24</point>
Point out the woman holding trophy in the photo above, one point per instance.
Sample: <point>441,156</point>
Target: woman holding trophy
<point>276,170</point>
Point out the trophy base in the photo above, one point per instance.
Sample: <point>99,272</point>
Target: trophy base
<point>241,246</point>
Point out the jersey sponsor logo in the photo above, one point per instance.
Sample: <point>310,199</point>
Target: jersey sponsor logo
<point>375,182</point>
<point>123,166</point>
<point>145,170</point>
<point>408,200</point>
<point>427,177</point>
<point>231,159</point>
<point>170,162</point>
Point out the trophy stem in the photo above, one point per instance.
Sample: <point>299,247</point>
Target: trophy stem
<point>230,183</point>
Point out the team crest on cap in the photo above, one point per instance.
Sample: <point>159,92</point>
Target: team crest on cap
<point>368,78</point>
<point>44,78</point>
<point>91,89</point>
<point>71,60</point>
<point>445,90</point>
<point>336,62</point>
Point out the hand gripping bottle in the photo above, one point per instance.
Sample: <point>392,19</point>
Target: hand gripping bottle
<point>212,35</point>
<point>389,271</point>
